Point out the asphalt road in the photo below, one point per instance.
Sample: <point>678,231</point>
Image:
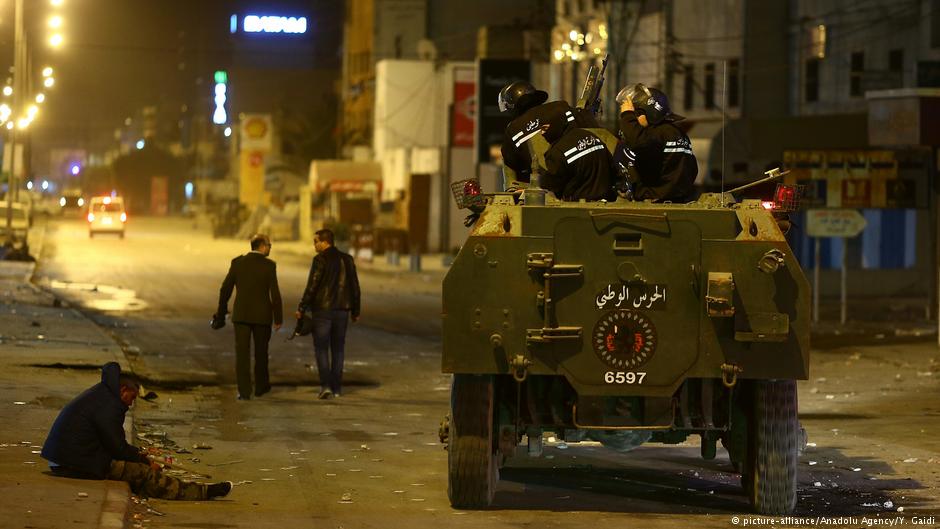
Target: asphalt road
<point>372,459</point>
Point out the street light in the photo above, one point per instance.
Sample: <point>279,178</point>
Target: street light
<point>9,125</point>
<point>47,71</point>
<point>22,123</point>
<point>8,90</point>
<point>56,3</point>
<point>40,98</point>
<point>48,82</point>
<point>55,40</point>
<point>55,22</point>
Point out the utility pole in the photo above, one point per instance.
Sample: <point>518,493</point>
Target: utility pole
<point>18,87</point>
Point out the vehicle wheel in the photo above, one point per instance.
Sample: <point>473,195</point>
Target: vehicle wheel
<point>471,460</point>
<point>773,441</point>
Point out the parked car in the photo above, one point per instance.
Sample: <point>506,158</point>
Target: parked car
<point>106,215</point>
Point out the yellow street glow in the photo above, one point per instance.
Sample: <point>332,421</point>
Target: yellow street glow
<point>48,82</point>
<point>40,98</point>
<point>55,22</point>
<point>32,111</point>
<point>9,124</point>
<point>22,123</point>
<point>7,90</point>
<point>56,40</point>
<point>56,3</point>
<point>47,71</point>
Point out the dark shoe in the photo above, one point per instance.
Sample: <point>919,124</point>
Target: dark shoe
<point>262,391</point>
<point>218,490</point>
<point>244,397</point>
<point>325,395</point>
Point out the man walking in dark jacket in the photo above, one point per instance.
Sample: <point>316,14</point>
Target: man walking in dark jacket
<point>257,302</point>
<point>331,297</point>
<point>87,442</point>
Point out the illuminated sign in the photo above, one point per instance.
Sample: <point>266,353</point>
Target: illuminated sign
<point>220,116</point>
<point>269,24</point>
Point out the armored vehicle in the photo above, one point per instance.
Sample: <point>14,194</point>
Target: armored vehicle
<point>625,322</point>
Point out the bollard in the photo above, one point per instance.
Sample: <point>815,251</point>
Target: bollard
<point>415,262</point>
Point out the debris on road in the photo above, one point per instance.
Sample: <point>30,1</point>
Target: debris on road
<point>82,494</point>
<point>225,463</point>
<point>911,460</point>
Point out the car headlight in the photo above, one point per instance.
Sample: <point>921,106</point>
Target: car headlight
<point>81,202</point>
<point>62,202</point>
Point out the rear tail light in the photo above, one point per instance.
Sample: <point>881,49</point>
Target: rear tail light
<point>467,193</point>
<point>91,217</point>
<point>123,217</point>
<point>787,197</point>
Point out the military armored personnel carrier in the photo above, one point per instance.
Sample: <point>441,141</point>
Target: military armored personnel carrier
<point>625,322</point>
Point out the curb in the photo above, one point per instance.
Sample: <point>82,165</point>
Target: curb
<point>116,507</point>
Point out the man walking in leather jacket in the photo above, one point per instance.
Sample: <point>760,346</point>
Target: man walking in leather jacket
<point>331,297</point>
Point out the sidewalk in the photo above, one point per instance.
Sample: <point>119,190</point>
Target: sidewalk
<point>48,355</point>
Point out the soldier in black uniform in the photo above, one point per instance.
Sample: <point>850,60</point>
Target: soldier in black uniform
<point>655,156</point>
<point>579,166</point>
<point>532,116</point>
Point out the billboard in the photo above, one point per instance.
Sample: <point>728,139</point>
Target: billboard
<point>464,112</point>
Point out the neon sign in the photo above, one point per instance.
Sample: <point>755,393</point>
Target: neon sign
<point>269,24</point>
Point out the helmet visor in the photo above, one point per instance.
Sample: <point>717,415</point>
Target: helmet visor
<point>504,105</point>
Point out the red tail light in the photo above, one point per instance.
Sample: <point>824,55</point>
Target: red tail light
<point>123,217</point>
<point>472,188</point>
<point>91,217</point>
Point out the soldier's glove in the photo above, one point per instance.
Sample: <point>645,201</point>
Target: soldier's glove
<point>624,190</point>
<point>217,321</point>
<point>471,219</point>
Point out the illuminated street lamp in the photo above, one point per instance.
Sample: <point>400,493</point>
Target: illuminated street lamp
<point>48,82</point>
<point>8,90</point>
<point>31,112</point>
<point>40,98</point>
<point>47,71</point>
<point>9,125</point>
<point>56,3</point>
<point>22,123</point>
<point>55,22</point>
<point>55,40</point>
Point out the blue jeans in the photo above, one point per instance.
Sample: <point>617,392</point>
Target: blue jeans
<point>329,343</point>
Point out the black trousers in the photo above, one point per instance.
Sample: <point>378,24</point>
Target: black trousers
<point>245,333</point>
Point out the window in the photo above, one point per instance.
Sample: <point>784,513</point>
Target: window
<point>688,89</point>
<point>734,81</point>
<point>855,73</point>
<point>811,81</point>
<point>710,85</point>
<point>935,24</point>
<point>896,67</point>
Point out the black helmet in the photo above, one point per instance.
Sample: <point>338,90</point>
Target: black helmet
<point>520,95</point>
<point>650,102</point>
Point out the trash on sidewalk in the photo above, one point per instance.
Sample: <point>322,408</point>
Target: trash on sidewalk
<point>202,446</point>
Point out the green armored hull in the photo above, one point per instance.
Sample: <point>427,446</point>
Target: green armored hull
<point>626,322</point>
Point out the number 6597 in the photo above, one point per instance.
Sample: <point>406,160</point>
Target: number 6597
<point>621,377</point>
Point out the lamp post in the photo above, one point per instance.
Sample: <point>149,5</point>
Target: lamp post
<point>19,50</point>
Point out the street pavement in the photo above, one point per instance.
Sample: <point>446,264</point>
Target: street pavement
<point>372,459</point>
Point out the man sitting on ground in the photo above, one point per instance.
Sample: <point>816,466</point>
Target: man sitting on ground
<point>87,442</point>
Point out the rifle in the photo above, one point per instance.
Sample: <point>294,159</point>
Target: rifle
<point>591,93</point>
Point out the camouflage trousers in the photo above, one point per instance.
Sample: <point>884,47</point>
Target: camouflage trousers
<point>153,483</point>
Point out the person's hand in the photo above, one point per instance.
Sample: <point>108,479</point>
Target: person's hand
<point>298,314</point>
<point>627,105</point>
<point>277,327</point>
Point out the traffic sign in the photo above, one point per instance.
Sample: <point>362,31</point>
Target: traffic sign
<point>834,222</point>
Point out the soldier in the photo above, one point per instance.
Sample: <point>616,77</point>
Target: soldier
<point>578,166</point>
<point>87,442</point>
<point>655,155</point>
<point>533,116</point>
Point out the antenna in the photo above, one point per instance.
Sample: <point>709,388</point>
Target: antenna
<point>724,115</point>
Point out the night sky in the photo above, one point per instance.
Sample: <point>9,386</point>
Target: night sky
<point>120,55</point>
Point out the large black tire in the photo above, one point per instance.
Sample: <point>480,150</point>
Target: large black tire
<point>471,460</point>
<point>774,435</point>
